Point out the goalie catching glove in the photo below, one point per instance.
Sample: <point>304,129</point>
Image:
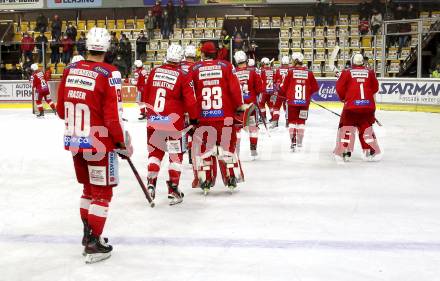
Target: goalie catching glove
<point>244,114</point>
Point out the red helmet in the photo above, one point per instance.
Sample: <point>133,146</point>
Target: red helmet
<point>209,48</point>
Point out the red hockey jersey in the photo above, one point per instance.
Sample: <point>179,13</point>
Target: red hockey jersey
<point>280,74</point>
<point>217,89</point>
<point>186,65</point>
<point>39,84</point>
<point>267,76</point>
<point>298,87</point>
<point>169,92</point>
<point>140,79</point>
<point>356,87</point>
<point>89,100</point>
<point>250,83</point>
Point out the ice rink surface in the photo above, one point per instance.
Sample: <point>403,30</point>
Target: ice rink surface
<point>299,216</point>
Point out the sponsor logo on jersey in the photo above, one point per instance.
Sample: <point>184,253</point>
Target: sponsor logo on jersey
<point>76,94</point>
<point>78,142</point>
<point>115,82</point>
<point>112,168</point>
<point>359,73</point>
<point>167,71</point>
<point>159,119</point>
<point>300,74</point>
<point>98,175</point>
<point>361,102</point>
<point>210,74</point>
<point>83,72</point>
<point>210,67</point>
<point>299,102</point>
<point>283,71</point>
<point>102,70</point>
<point>74,81</point>
<point>166,77</point>
<point>242,75</point>
<point>212,113</point>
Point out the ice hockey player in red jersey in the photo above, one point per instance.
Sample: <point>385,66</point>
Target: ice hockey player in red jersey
<point>219,97</point>
<point>140,78</point>
<point>297,88</point>
<point>187,63</point>
<point>168,93</point>
<point>280,74</point>
<point>89,99</point>
<point>251,87</point>
<point>356,88</point>
<point>267,77</point>
<point>41,90</point>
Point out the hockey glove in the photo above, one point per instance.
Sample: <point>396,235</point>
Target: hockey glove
<point>125,150</point>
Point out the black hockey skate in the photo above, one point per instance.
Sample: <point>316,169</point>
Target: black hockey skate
<point>232,183</point>
<point>152,188</point>
<point>97,250</point>
<point>293,145</point>
<point>174,194</point>
<point>190,161</point>
<point>41,114</point>
<point>273,125</point>
<point>254,152</point>
<point>206,186</point>
<point>143,117</point>
<point>87,234</point>
<point>346,156</point>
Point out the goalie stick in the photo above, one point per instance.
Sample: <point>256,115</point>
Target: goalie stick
<point>141,183</point>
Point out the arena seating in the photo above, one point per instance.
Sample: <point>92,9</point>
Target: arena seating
<point>296,33</point>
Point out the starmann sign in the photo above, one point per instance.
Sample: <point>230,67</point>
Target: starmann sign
<point>72,4</point>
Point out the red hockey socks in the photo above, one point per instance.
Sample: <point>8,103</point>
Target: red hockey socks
<point>97,216</point>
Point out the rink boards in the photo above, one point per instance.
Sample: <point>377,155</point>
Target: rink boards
<point>394,94</point>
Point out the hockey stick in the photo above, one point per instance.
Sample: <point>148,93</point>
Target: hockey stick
<point>331,61</point>
<point>141,183</point>
<point>263,118</point>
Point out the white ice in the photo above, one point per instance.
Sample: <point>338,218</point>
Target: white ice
<point>299,216</point>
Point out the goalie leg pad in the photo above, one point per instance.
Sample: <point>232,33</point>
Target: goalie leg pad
<point>229,165</point>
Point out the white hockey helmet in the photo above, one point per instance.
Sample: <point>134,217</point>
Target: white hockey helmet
<point>251,62</point>
<point>98,39</point>
<point>138,63</point>
<point>297,56</point>
<point>240,57</point>
<point>265,61</point>
<point>174,53</point>
<point>77,58</point>
<point>34,67</point>
<point>357,59</point>
<point>285,60</point>
<point>190,51</point>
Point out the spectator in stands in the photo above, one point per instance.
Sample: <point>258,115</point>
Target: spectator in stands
<point>120,63</point>
<point>67,45</point>
<point>364,25</point>
<point>27,46</point>
<point>436,72</point>
<point>225,38</point>
<point>15,73</point>
<point>71,31</point>
<point>141,46</point>
<point>113,50</point>
<point>330,13</point>
<point>364,8</point>
<point>3,72</point>
<point>149,24</point>
<point>56,26</point>
<point>238,42</point>
<point>125,50</point>
<point>376,5</point>
<point>403,39</point>
<point>182,14</point>
<point>42,23</point>
<point>412,12</point>
<point>157,14</point>
<point>400,12</point>
<point>166,26</point>
<point>41,43</point>
<point>81,44</point>
<point>376,21</point>
<point>319,13</point>
<point>55,45</point>
<point>171,12</point>
<point>26,69</point>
